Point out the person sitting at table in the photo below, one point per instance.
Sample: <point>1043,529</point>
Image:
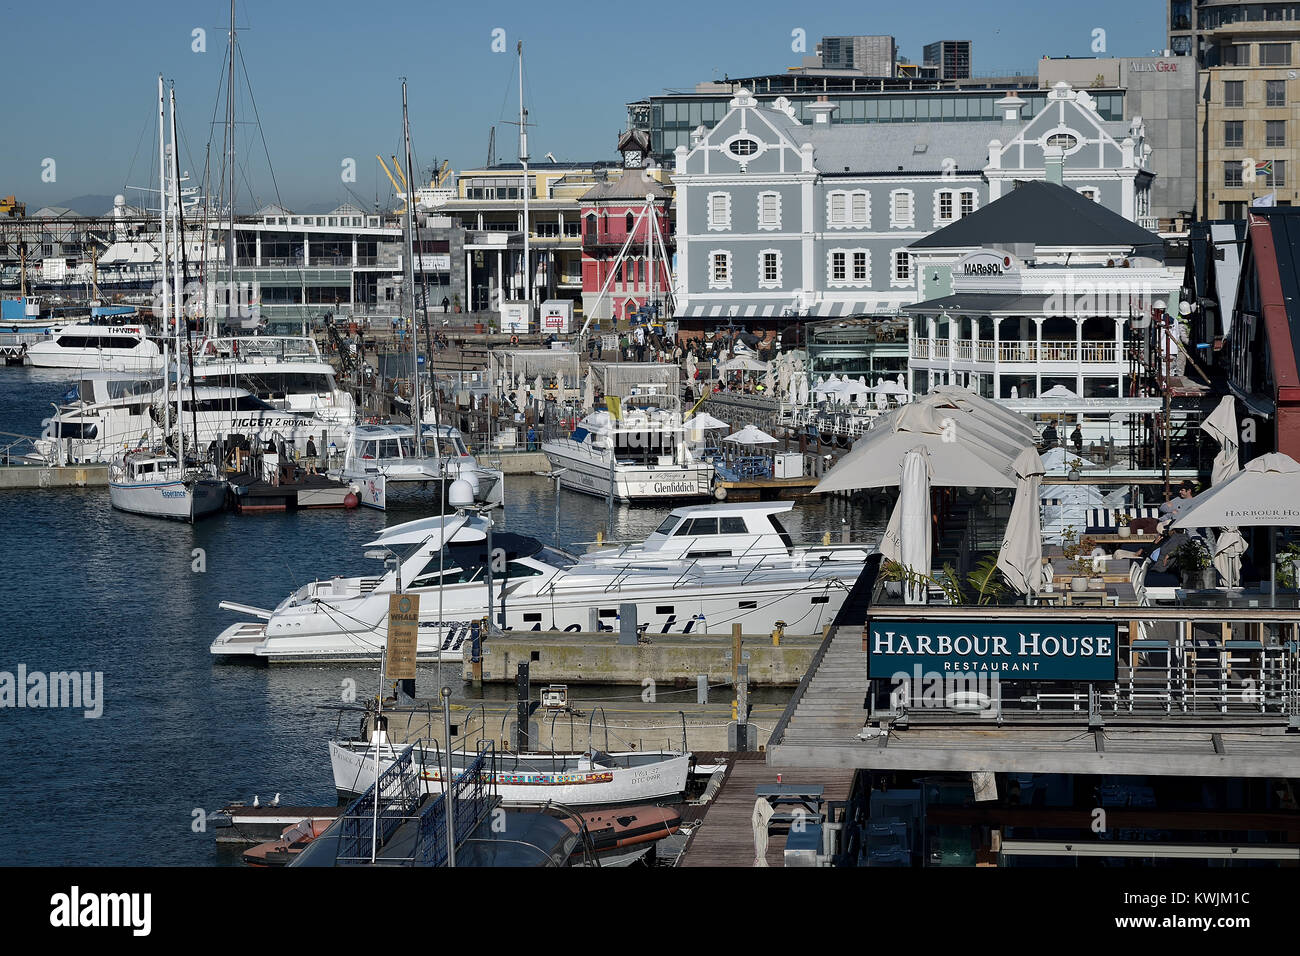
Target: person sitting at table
<point>1050,437</point>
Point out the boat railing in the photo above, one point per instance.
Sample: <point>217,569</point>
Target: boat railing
<point>604,719</point>
<point>372,818</point>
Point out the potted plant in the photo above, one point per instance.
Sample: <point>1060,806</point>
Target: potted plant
<point>1079,566</point>
<point>1081,571</point>
<point>1123,522</point>
<point>1288,563</point>
<point>1195,565</point>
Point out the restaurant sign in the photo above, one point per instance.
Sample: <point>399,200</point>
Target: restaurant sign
<point>1013,650</point>
<point>403,636</point>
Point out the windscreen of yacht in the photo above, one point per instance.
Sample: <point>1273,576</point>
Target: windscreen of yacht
<point>463,563</point>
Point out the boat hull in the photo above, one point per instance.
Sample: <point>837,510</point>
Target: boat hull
<point>532,781</point>
<point>169,499</point>
<point>588,474</point>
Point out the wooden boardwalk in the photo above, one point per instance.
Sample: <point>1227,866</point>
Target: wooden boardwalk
<point>726,835</point>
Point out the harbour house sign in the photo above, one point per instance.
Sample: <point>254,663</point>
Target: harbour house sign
<point>1014,650</point>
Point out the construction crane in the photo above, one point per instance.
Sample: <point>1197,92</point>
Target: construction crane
<point>492,147</point>
<point>441,176</point>
<point>402,190</point>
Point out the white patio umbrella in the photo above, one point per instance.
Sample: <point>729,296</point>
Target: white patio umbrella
<point>882,402</point>
<point>907,538</point>
<point>698,424</point>
<point>751,435</point>
<point>1229,546</point>
<point>1265,493</point>
<point>783,377</point>
<point>889,387</point>
<point>1221,425</point>
<point>1020,559</point>
<point>990,409</point>
<point>743,363</point>
<point>1059,391</point>
<point>539,396</point>
<point>589,390</point>
<point>958,457</point>
<point>769,380</point>
<point>827,386</point>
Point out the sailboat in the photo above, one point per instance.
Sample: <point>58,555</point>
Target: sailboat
<point>155,481</point>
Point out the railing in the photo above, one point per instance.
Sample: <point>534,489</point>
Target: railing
<point>940,348</point>
<point>363,825</point>
<point>1100,352</point>
<point>985,351</point>
<point>1188,661</point>
<point>1017,352</point>
<point>921,348</point>
<point>1059,352</point>
<point>471,800</point>
<point>962,350</point>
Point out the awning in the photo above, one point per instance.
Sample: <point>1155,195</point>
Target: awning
<point>729,308</point>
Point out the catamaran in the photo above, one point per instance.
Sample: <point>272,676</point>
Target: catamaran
<point>705,568</point>
<point>382,461</point>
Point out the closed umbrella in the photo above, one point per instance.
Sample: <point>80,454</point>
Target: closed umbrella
<point>1229,546</point>
<point>589,390</point>
<point>801,389</point>
<point>769,380</point>
<point>1020,559</point>
<point>907,539</point>
<point>783,375</point>
<point>1221,425</point>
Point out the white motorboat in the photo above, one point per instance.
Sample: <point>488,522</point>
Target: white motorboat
<point>575,780</point>
<point>706,568</point>
<point>121,348</point>
<point>384,466</point>
<point>152,482</point>
<point>638,452</point>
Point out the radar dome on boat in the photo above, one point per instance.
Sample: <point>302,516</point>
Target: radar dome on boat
<point>460,494</point>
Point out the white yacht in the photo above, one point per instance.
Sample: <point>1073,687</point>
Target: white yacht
<point>704,569</point>
<point>121,348</point>
<point>638,452</point>
<point>153,482</point>
<point>261,387</point>
<point>384,466</point>
<point>99,430</point>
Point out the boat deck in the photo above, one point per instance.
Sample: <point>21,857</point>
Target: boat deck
<point>254,496</point>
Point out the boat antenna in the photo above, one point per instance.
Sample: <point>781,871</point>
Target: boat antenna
<point>410,277</point>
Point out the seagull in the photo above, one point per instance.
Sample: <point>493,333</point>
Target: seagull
<point>276,801</point>
<point>255,801</point>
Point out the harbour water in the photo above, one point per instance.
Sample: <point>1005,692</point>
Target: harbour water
<point>89,589</point>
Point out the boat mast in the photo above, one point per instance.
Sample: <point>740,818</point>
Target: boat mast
<point>184,275</point>
<point>410,279</point>
<point>179,310</point>
<point>523,159</point>
<point>162,218</point>
<point>230,171</point>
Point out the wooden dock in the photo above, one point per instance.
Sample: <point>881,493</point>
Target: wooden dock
<point>250,496</point>
<point>725,836</point>
<point>766,489</point>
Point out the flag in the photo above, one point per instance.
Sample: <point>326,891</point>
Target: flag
<point>1264,166</point>
<point>1269,199</point>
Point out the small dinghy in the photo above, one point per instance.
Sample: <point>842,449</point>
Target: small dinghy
<point>621,837</point>
<point>292,841</point>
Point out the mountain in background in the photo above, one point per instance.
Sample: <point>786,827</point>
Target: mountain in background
<point>87,205</point>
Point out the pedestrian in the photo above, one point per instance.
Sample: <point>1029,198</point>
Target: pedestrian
<point>1076,439</point>
<point>309,460</point>
<point>446,304</point>
<point>532,438</point>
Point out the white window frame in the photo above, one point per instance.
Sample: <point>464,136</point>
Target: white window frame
<point>896,221</point>
<point>974,195</point>
<point>831,196</point>
<point>714,282</point>
<point>865,221</point>
<point>938,200</point>
<point>1096,192</point>
<point>716,224</point>
<point>894,281</point>
<point>848,282</point>
<point>763,281</point>
<point>767,226</point>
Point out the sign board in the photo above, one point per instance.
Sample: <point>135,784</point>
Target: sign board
<point>516,316</point>
<point>557,315</point>
<point>403,635</point>
<point>987,264</point>
<point>1013,650</point>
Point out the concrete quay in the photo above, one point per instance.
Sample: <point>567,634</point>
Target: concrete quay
<point>21,477</point>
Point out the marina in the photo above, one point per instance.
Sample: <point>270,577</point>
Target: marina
<point>870,463</point>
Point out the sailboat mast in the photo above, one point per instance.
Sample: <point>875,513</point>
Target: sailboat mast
<point>523,160</point>
<point>410,278</point>
<point>179,311</point>
<point>162,220</point>
<point>230,164</point>
<point>182,282</point>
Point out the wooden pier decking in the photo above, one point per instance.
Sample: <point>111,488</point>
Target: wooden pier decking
<point>725,836</point>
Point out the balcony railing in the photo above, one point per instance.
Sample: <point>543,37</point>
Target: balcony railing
<point>921,348</point>
<point>941,348</point>
<point>983,350</point>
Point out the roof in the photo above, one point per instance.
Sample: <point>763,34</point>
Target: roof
<point>1018,303</point>
<point>889,147</point>
<point>1283,223</point>
<point>630,186</point>
<point>1045,214</point>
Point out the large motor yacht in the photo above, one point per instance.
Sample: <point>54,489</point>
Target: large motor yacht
<point>704,569</point>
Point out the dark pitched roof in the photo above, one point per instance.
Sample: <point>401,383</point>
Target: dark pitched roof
<point>1046,215</point>
<point>1284,224</point>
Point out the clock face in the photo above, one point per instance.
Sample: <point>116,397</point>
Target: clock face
<point>632,158</point>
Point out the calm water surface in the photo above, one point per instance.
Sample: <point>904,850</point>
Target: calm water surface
<point>86,588</point>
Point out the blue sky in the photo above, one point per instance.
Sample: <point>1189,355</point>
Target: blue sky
<point>325,76</point>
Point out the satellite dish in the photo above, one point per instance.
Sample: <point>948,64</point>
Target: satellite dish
<point>460,494</point>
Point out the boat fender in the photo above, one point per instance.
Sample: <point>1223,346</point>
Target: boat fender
<point>514,340</point>
<point>720,493</point>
